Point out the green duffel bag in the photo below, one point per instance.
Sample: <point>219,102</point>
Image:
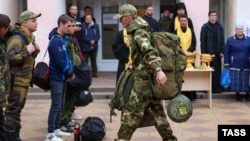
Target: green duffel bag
<point>179,109</point>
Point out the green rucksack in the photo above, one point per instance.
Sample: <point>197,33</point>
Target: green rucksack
<point>174,62</point>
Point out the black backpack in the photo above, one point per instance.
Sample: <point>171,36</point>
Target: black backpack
<point>93,129</point>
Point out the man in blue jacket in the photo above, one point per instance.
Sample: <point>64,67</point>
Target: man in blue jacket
<point>90,44</point>
<point>61,71</point>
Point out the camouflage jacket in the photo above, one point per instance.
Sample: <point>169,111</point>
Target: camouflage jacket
<point>20,61</point>
<point>145,58</point>
<point>74,51</point>
<point>4,74</point>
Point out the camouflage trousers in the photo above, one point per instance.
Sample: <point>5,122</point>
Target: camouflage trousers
<point>15,103</point>
<point>137,106</point>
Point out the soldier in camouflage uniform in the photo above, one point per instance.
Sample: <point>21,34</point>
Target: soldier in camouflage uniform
<point>4,69</point>
<point>21,57</point>
<point>145,61</point>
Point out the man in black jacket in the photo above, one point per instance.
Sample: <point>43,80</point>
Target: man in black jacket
<point>149,11</point>
<point>121,52</point>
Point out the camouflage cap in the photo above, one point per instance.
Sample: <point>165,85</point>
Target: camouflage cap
<point>26,15</point>
<point>126,10</point>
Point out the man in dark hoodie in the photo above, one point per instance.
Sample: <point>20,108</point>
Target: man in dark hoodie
<point>180,9</point>
<point>21,57</point>
<point>61,72</point>
<point>149,11</point>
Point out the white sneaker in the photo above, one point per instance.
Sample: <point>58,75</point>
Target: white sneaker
<point>60,133</point>
<point>52,137</point>
<point>76,117</point>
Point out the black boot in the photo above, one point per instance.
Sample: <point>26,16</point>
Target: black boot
<point>13,136</point>
<point>172,138</point>
<point>238,97</point>
<point>247,96</point>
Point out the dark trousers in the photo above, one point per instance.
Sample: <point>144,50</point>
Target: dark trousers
<point>58,90</point>
<point>92,55</point>
<point>216,64</point>
<point>16,101</point>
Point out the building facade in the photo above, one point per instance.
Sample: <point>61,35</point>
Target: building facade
<point>103,10</point>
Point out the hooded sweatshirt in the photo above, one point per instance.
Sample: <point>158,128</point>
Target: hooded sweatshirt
<point>60,64</point>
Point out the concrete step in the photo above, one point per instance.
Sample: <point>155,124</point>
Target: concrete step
<point>107,93</point>
<point>97,93</point>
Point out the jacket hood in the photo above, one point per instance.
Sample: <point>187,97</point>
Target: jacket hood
<point>138,23</point>
<point>53,32</point>
<point>17,28</point>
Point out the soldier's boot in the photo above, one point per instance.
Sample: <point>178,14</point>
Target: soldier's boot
<point>13,136</point>
<point>172,138</point>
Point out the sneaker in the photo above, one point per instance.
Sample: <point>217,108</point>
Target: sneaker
<point>60,133</point>
<point>52,137</point>
<point>76,117</point>
<point>66,128</point>
<point>71,123</point>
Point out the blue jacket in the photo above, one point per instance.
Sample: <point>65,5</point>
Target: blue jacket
<point>91,32</point>
<point>237,53</point>
<point>60,64</point>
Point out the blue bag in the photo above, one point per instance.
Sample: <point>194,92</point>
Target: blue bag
<point>225,78</point>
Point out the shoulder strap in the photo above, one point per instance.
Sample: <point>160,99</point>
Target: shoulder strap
<point>22,37</point>
<point>54,36</point>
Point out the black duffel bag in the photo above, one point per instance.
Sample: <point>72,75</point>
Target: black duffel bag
<point>83,79</point>
<point>83,98</point>
<point>41,76</point>
<point>93,129</point>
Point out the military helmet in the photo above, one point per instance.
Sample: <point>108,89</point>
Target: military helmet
<point>179,109</point>
<point>126,10</point>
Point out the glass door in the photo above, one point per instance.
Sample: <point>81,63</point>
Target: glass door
<point>109,27</point>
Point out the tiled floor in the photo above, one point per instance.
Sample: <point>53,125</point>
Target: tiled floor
<point>202,126</point>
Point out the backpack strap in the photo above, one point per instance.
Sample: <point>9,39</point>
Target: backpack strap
<point>54,36</point>
<point>21,36</point>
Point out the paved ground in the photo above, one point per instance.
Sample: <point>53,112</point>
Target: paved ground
<point>202,126</point>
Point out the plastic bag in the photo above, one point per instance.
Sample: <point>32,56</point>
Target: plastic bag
<point>225,78</point>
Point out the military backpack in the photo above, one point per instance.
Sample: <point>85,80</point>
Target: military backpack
<point>173,65</point>
<point>174,62</point>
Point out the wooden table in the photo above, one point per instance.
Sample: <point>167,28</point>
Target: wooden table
<point>198,80</point>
